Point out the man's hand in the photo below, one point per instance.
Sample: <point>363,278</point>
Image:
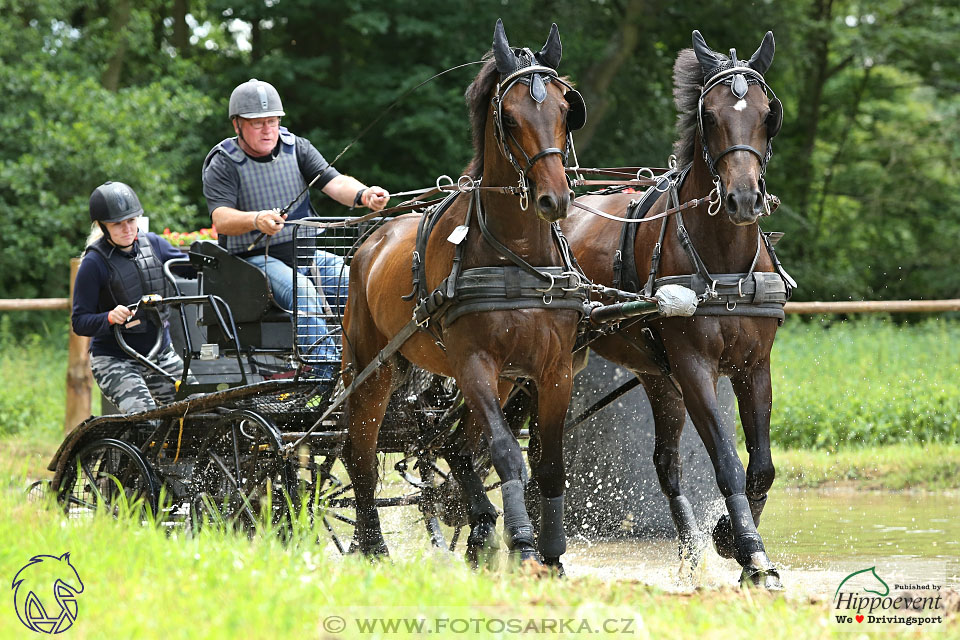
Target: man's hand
<point>375,198</point>
<point>268,221</point>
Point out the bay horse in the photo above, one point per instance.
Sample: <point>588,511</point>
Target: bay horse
<point>518,109</point>
<point>725,128</point>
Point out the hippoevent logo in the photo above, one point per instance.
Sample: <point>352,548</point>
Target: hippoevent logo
<point>45,593</point>
<point>865,599</point>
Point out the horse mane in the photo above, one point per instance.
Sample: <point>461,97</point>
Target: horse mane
<point>687,85</point>
<point>477,96</point>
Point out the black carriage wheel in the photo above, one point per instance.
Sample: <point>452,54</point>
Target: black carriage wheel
<point>241,479</point>
<point>334,504</point>
<point>107,474</point>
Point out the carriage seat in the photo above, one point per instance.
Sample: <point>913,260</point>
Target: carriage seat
<point>261,323</point>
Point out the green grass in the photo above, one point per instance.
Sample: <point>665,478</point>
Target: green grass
<point>933,467</point>
<point>843,385</point>
<point>140,582</point>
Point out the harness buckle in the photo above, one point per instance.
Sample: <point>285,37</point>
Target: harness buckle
<point>548,289</point>
<point>524,192</point>
<point>714,207</point>
<point>449,182</point>
<point>465,184</point>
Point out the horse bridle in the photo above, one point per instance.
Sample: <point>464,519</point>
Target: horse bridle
<point>576,118</point>
<point>738,78</point>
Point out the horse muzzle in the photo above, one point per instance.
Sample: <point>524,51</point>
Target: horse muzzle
<point>552,206</point>
<point>744,205</point>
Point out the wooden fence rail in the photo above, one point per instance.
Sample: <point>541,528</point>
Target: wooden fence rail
<point>80,380</point>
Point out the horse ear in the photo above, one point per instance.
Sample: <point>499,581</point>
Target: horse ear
<point>552,51</point>
<point>66,556</point>
<point>506,61</point>
<point>760,61</point>
<point>709,60</point>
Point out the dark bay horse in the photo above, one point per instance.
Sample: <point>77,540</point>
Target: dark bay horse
<point>725,127</point>
<point>519,110</point>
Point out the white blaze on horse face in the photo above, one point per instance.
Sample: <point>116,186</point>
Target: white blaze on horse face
<point>741,105</point>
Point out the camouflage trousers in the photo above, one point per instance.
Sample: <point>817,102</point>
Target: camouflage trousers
<point>133,387</point>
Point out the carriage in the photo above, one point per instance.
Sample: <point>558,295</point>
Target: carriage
<point>250,439</point>
<point>261,442</point>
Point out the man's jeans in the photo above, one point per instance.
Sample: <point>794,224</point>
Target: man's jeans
<point>320,291</point>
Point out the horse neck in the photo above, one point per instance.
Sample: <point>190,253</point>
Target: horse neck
<point>523,232</point>
<point>723,246</point>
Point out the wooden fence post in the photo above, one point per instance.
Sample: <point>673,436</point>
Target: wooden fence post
<point>79,377</point>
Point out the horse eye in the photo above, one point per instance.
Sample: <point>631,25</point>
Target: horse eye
<point>709,118</point>
<point>509,120</point>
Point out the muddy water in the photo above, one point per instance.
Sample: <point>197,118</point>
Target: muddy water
<point>816,538</point>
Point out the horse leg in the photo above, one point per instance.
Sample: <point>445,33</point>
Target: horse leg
<point>478,380</point>
<point>755,400</point>
<point>482,542</point>
<point>700,396</point>
<point>365,410</point>
<point>668,418</point>
<point>553,395</point>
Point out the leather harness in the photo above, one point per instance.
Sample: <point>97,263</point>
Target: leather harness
<point>755,294</point>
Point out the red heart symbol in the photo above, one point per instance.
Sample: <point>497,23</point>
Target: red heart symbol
<point>859,618</point>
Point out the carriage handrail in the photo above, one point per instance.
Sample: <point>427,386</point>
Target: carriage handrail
<point>226,324</point>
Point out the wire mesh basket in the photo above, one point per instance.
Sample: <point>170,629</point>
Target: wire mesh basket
<point>323,249</point>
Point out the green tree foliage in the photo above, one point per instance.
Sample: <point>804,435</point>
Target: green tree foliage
<point>866,164</point>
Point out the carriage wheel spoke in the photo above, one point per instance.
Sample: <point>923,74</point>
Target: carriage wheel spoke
<point>233,481</point>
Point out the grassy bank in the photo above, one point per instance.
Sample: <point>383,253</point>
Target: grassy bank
<point>933,467</point>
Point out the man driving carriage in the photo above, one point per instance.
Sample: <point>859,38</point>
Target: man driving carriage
<point>255,181</point>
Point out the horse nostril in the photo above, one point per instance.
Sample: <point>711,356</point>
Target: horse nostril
<point>731,203</point>
<point>547,204</point>
<point>758,205</point>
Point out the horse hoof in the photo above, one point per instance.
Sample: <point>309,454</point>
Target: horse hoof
<point>524,555</point>
<point>374,552</point>
<point>482,546</point>
<point>723,538</point>
<point>755,577</point>
<point>555,567</point>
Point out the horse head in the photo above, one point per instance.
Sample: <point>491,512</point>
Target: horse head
<point>532,112</point>
<point>736,124</point>
<point>45,573</point>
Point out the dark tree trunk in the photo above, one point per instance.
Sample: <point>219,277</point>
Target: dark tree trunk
<point>597,81</point>
<point>119,20</point>
<point>181,33</point>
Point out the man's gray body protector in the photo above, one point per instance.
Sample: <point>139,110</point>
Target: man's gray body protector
<point>133,275</point>
<point>265,185</point>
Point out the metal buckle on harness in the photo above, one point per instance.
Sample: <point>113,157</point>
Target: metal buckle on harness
<point>465,184</point>
<point>714,207</point>
<point>552,281</point>
<point>449,182</point>
<point>524,193</point>
<point>578,279</point>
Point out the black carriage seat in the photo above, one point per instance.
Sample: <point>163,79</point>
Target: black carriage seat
<point>261,323</point>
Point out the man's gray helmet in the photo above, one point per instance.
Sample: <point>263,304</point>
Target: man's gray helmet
<point>255,99</point>
<point>114,202</point>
